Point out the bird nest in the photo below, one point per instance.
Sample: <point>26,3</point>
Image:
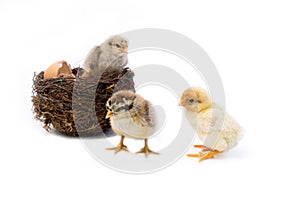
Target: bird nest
<point>76,107</point>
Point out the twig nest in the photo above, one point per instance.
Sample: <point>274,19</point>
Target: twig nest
<point>59,69</point>
<point>77,106</point>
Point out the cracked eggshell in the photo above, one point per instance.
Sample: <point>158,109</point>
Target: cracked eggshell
<point>58,69</point>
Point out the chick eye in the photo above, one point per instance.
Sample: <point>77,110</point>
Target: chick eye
<point>108,105</point>
<point>117,45</point>
<point>192,100</point>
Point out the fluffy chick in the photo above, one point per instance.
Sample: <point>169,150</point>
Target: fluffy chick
<point>110,56</point>
<point>217,129</point>
<point>131,116</point>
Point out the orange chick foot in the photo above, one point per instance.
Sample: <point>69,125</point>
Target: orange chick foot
<point>146,149</point>
<point>205,155</point>
<point>204,148</point>
<point>119,148</point>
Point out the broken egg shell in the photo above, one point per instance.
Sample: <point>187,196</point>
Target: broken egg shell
<point>57,69</point>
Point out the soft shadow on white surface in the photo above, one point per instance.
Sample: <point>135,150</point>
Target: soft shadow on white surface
<point>255,46</point>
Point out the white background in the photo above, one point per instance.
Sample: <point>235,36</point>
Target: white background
<point>255,46</point>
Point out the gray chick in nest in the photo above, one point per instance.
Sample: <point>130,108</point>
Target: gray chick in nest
<point>110,56</point>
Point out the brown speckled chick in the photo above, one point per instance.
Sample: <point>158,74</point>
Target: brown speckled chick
<point>131,116</point>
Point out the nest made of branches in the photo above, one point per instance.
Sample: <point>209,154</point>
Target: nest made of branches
<point>76,107</point>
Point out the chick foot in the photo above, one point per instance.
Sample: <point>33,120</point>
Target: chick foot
<point>202,147</point>
<point>146,150</point>
<point>120,147</point>
<point>205,155</point>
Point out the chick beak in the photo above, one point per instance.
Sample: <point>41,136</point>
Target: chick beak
<point>124,50</point>
<point>180,104</point>
<point>108,114</point>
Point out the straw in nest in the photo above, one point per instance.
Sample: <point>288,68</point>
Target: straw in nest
<point>76,107</point>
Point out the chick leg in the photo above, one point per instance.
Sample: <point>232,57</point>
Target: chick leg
<point>204,148</point>
<point>205,155</point>
<point>120,147</point>
<point>146,149</point>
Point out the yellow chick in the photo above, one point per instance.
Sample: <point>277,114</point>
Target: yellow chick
<point>218,130</point>
<point>131,116</point>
